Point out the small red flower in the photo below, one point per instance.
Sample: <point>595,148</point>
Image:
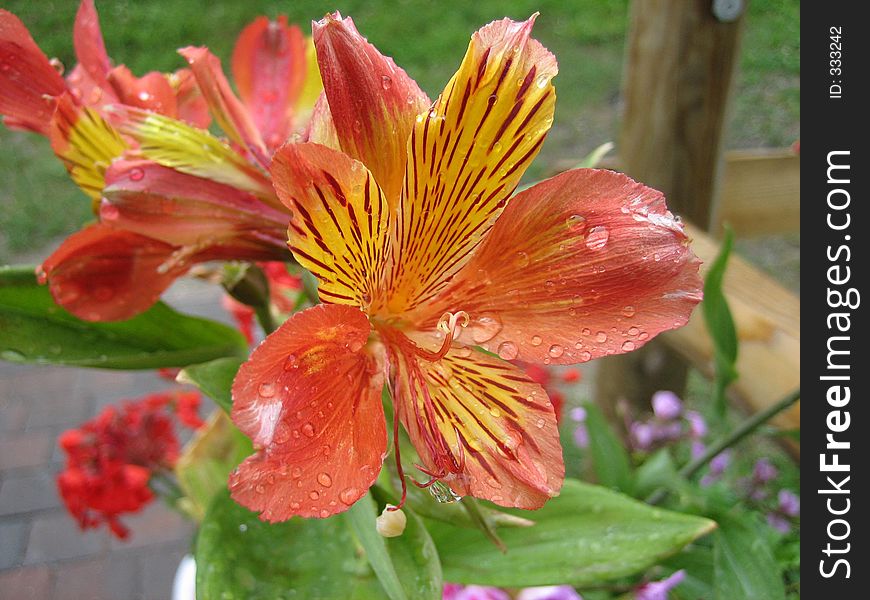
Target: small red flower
<point>110,459</point>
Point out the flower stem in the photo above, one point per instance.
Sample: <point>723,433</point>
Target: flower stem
<point>264,317</point>
<point>732,438</point>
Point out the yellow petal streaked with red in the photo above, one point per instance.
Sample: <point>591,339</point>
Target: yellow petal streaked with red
<point>586,264</point>
<point>177,145</point>
<point>86,143</point>
<point>339,226</point>
<point>373,102</point>
<point>269,69</point>
<point>480,425</point>
<point>28,82</point>
<point>467,155</point>
<point>227,109</point>
<point>310,399</point>
<point>88,42</point>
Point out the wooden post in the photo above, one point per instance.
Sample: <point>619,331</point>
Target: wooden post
<point>677,78</point>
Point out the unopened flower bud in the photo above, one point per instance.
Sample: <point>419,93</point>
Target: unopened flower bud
<point>392,522</point>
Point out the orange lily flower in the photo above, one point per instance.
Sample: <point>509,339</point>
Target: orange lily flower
<point>168,193</point>
<point>403,210</point>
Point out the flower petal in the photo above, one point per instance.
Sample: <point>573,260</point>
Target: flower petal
<point>373,101</point>
<point>181,209</point>
<point>86,143</point>
<point>269,69</point>
<point>481,424</point>
<point>227,109</point>
<point>152,91</point>
<point>177,145</point>
<point>104,274</point>
<point>310,399</point>
<point>339,225</point>
<point>192,107</point>
<point>28,82</point>
<point>88,43</point>
<point>467,155</point>
<point>586,264</point>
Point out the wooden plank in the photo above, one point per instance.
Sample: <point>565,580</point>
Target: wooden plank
<point>767,317</point>
<point>760,192</point>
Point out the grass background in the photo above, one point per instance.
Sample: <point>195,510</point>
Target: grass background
<point>428,39</point>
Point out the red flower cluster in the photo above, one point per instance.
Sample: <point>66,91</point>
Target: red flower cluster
<point>111,458</point>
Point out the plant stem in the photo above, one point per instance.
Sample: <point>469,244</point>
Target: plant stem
<point>732,438</point>
<point>264,317</point>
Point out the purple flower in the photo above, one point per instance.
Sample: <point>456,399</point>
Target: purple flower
<point>789,503</point>
<point>658,590</point>
<point>717,467</point>
<point>764,471</point>
<point>552,592</point>
<point>581,436</point>
<point>642,435</point>
<point>666,405</point>
<point>454,591</point>
<point>698,448</point>
<point>778,522</point>
<point>697,424</point>
<point>578,414</point>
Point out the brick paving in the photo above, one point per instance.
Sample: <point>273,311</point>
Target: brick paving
<point>43,554</point>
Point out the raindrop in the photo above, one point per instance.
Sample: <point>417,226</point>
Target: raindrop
<point>576,222</point>
<point>266,390</point>
<point>56,65</point>
<point>442,493</point>
<point>294,505</point>
<point>260,489</point>
<point>495,412</point>
<point>522,260</point>
<point>348,495</point>
<point>324,479</point>
<point>324,513</point>
<point>600,337</point>
<point>314,495</point>
<point>586,331</point>
<point>137,174</point>
<point>643,335</point>
<point>485,328</point>
<point>628,311</point>
<point>542,81</point>
<point>296,472</point>
<point>144,96</point>
<point>537,340</point>
<point>540,423</point>
<point>243,528</point>
<point>597,238</point>
<point>556,351</point>
<point>291,363</point>
<point>633,331</point>
<point>584,356</point>
<point>628,346</point>
<point>386,82</point>
<point>308,430</point>
<point>508,350</point>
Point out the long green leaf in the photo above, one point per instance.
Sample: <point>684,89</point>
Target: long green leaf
<point>407,566</point>
<point>33,329</point>
<point>214,379</point>
<point>743,563</point>
<point>586,536</point>
<point>240,557</point>
<point>720,323</point>
<point>611,461</point>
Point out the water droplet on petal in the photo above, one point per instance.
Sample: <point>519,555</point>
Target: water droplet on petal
<point>324,479</point>
<point>540,423</point>
<point>294,506</point>
<point>586,331</point>
<point>296,473</point>
<point>144,96</point>
<point>597,238</point>
<point>537,340</point>
<point>576,222</point>
<point>508,350</point>
<point>542,81</point>
<point>324,513</point>
<point>584,356</point>
<point>600,337</point>
<point>556,351</point>
<point>386,82</point>
<point>137,174</point>
<point>348,495</point>
<point>484,328</point>
<point>291,362</point>
<point>266,390</point>
<point>628,346</point>
<point>308,430</point>
<point>314,494</point>
<point>522,260</point>
<point>628,311</point>
<point>633,331</point>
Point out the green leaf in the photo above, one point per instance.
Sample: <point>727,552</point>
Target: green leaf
<point>214,379</point>
<point>240,557</point>
<point>33,329</point>
<point>586,536</point>
<point>407,566</point>
<point>657,471</point>
<point>610,460</point>
<point>720,323</point>
<point>743,563</point>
